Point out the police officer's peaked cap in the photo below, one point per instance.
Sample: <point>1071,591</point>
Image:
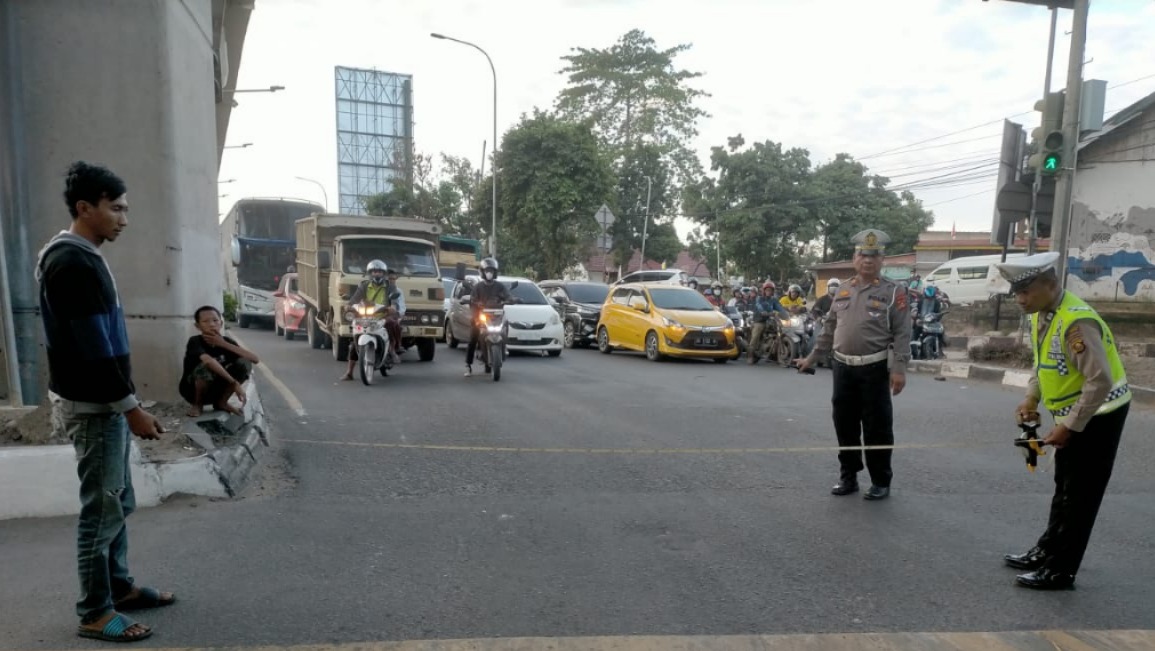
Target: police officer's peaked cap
<point>870,241</point>
<point>1020,272</point>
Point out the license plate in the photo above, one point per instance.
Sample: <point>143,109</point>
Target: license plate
<point>706,342</point>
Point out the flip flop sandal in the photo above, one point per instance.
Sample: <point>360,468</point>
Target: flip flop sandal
<point>146,598</point>
<point>116,630</point>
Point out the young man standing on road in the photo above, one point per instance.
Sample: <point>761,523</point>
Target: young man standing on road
<point>90,379</point>
<point>1080,379</point>
<point>868,323</point>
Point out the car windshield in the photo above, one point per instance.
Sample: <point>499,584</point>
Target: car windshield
<point>594,294</point>
<point>404,257</point>
<point>679,299</point>
<point>527,292</point>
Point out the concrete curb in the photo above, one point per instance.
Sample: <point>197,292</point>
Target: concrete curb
<point>41,481</point>
<point>1005,376</point>
<point>1126,348</point>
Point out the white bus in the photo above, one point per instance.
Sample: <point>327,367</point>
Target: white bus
<point>259,242</point>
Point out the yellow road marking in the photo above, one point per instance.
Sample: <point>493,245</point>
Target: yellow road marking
<point>638,451</point>
<point>1117,640</point>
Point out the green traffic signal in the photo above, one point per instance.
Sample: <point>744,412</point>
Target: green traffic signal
<point>1051,163</point>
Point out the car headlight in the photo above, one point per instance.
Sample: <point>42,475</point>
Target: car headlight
<point>425,319</point>
<point>554,319</point>
<point>297,305</point>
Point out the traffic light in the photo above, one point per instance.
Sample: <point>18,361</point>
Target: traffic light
<point>1047,138</point>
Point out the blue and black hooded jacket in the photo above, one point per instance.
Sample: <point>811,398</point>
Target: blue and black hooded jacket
<point>88,356</point>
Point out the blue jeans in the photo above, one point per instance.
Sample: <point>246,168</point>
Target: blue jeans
<point>106,499</point>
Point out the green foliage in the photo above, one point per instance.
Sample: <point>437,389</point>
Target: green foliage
<point>663,244</point>
<point>643,111</point>
<point>230,306</point>
<point>551,180</point>
<point>443,198</point>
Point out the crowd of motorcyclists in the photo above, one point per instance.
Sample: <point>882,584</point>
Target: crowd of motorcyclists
<point>762,317</point>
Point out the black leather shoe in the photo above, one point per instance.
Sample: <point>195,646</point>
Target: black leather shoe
<point>845,487</point>
<point>1045,579</point>
<point>1031,560</point>
<point>877,493</point>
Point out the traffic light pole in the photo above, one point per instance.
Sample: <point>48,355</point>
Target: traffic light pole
<point>1033,223</point>
<point>1065,186</point>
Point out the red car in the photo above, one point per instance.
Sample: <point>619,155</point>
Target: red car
<point>289,310</point>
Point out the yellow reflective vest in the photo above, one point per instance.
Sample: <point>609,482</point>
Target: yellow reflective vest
<point>1060,382</point>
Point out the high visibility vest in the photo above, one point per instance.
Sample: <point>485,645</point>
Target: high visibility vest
<point>376,294</point>
<point>1060,382</point>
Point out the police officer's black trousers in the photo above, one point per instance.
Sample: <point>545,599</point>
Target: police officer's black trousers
<point>1082,469</point>
<point>863,416</point>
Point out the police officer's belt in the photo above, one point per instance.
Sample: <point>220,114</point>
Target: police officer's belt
<point>861,360</point>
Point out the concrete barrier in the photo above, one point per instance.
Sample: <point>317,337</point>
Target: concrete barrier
<point>41,481</point>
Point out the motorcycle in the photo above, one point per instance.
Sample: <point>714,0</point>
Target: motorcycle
<point>372,341</point>
<point>492,342</point>
<point>929,340</point>
<point>743,324</point>
<point>794,337</point>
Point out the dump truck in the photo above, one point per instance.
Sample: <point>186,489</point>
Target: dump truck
<point>332,251</point>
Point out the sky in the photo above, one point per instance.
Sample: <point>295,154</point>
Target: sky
<point>912,88</point>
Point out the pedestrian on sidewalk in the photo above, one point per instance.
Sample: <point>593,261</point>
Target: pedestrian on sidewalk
<point>868,327</point>
<point>90,380</point>
<point>1079,378</point>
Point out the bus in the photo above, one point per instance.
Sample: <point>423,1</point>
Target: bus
<point>259,241</point>
<point>455,248</point>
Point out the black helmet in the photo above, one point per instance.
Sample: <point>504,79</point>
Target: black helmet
<point>489,264</point>
<point>375,266</point>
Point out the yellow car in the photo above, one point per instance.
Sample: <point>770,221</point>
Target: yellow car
<point>663,320</point>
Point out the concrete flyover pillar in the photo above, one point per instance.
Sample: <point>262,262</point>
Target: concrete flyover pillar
<point>128,84</point>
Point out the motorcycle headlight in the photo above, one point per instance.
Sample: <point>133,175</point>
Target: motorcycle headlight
<point>366,310</point>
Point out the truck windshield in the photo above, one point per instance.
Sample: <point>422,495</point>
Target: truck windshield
<point>405,258</point>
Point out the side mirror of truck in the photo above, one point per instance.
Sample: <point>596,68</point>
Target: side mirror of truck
<point>459,271</point>
<point>324,260</point>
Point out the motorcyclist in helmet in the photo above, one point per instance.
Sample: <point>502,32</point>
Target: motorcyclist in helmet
<point>716,298</point>
<point>486,293</point>
<point>930,303</point>
<point>766,307</point>
<point>794,301</point>
<point>378,290</point>
<point>822,305</point>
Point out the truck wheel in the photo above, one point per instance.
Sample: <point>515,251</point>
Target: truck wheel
<point>426,348</point>
<point>244,321</point>
<point>312,331</point>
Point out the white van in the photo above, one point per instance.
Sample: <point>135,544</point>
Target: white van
<point>969,280</point>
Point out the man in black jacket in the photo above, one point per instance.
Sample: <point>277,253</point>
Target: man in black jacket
<point>486,293</point>
<point>90,379</point>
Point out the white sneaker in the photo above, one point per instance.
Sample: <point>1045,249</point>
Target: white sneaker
<point>468,371</point>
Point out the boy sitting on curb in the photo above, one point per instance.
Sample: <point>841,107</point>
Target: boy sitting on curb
<point>215,366</point>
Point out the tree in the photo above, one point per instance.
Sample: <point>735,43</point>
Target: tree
<point>757,204</point>
<point>846,199</point>
<point>643,110</point>
<point>552,178</point>
<point>440,197</point>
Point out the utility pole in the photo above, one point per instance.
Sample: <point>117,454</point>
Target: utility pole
<point>1064,189</point>
<point>646,225</point>
<point>1033,222</point>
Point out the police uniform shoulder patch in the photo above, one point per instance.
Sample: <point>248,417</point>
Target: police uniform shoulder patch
<point>1075,339</point>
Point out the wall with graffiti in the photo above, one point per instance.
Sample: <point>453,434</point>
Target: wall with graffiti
<point>1110,255</point>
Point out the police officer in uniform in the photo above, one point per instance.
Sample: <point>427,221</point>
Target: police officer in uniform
<point>868,325</point>
<point>1080,379</point>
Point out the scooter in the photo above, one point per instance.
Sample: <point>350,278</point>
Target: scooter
<point>372,341</point>
<point>492,343</point>
<point>794,338</point>
<point>928,340</point>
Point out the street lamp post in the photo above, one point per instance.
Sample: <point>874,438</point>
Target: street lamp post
<point>646,225</point>
<point>493,232</point>
<point>247,144</point>
<point>318,184</point>
<point>270,89</point>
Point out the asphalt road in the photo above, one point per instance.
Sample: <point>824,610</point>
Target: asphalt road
<point>355,539</point>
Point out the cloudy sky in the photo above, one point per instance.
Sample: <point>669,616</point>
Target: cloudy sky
<point>924,83</point>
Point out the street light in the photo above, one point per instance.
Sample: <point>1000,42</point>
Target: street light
<point>318,184</point>
<point>493,233</point>
<point>247,144</point>
<point>228,181</point>
<point>646,225</point>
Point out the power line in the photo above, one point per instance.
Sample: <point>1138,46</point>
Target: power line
<point>965,196</point>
